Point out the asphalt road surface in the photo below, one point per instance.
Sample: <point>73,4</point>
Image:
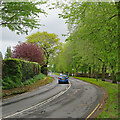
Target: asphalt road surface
<point>77,99</point>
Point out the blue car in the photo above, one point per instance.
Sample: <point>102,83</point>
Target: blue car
<point>63,79</point>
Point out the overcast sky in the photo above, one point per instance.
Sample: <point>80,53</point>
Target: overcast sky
<point>53,24</point>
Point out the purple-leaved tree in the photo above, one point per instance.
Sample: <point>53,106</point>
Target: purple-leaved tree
<point>28,51</point>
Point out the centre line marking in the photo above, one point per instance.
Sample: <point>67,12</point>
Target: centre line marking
<point>41,103</point>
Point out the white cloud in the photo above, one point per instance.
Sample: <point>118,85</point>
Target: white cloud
<point>53,24</point>
<point>5,44</point>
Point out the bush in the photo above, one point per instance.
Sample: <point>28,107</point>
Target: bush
<point>29,69</point>
<point>17,71</point>
<point>11,67</point>
<point>34,79</point>
<point>118,76</point>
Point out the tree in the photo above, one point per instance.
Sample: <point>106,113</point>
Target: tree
<point>28,51</point>
<point>93,31</point>
<point>8,52</point>
<point>21,16</point>
<point>49,42</point>
<point>1,57</point>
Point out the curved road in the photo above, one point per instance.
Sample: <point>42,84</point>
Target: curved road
<point>75,100</point>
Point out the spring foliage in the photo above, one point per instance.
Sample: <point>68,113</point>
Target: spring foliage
<point>21,16</point>
<point>28,51</point>
<point>49,42</point>
<point>93,40</point>
<point>8,53</point>
<point>16,71</point>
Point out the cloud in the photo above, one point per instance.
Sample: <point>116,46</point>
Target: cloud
<point>5,44</point>
<point>53,24</point>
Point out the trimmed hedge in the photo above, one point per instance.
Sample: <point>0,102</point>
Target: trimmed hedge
<point>16,71</point>
<point>29,69</point>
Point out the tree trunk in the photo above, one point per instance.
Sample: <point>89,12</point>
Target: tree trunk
<point>93,72</point>
<point>96,75</point>
<point>103,72</point>
<point>44,69</point>
<point>105,68</point>
<point>113,76</point>
<point>89,72</point>
<point>99,69</point>
<point>93,69</point>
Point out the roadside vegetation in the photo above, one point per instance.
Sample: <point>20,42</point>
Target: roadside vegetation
<point>26,64</point>
<point>37,81</point>
<point>16,72</point>
<point>111,108</point>
<point>92,47</point>
<point>91,51</point>
<point>20,76</point>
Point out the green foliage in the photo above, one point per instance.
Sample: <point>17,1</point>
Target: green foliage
<point>93,37</point>
<point>34,79</point>
<point>11,68</point>
<point>111,108</point>
<point>8,53</point>
<point>50,44</point>
<point>63,61</point>
<point>29,69</point>
<point>1,57</point>
<point>16,71</point>
<point>8,83</point>
<point>0,69</point>
<point>21,16</point>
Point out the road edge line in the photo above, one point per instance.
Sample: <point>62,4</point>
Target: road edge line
<point>103,100</point>
<point>93,111</point>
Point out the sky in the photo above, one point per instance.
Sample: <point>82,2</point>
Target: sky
<point>53,24</point>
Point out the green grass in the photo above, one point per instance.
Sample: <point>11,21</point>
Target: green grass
<point>111,108</point>
<point>28,87</point>
<point>56,73</point>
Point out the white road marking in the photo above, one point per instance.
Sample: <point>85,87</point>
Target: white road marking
<point>41,103</point>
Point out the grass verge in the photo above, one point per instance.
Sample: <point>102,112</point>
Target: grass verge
<point>111,108</point>
<point>56,73</point>
<point>26,88</point>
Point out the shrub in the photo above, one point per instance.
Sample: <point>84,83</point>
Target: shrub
<point>8,84</point>
<point>16,71</point>
<point>11,73</point>
<point>34,79</point>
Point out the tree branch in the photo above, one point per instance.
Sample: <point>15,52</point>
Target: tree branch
<point>113,16</point>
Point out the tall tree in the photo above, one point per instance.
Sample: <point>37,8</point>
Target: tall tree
<point>49,42</point>
<point>21,16</point>
<point>1,57</point>
<point>94,26</point>
<point>28,51</point>
<point>8,52</point>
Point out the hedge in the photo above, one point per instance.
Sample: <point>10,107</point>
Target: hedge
<point>16,71</point>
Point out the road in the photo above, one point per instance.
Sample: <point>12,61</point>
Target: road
<point>75,100</point>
